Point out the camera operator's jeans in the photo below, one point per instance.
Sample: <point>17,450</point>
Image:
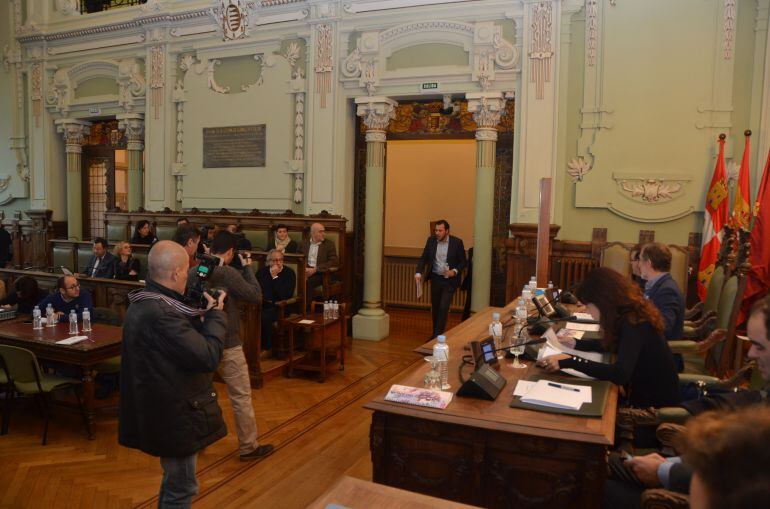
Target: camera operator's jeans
<point>235,373</point>
<point>179,484</point>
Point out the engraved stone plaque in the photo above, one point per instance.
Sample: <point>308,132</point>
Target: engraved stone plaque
<point>235,146</point>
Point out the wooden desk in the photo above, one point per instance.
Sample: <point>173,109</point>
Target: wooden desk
<point>358,494</point>
<point>319,329</point>
<point>484,452</point>
<point>106,341</point>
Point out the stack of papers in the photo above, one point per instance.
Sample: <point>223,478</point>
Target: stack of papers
<point>587,327</point>
<point>583,316</point>
<point>554,347</point>
<point>553,394</point>
<point>73,340</point>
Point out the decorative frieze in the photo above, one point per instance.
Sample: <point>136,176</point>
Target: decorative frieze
<point>323,61</point>
<point>592,31</point>
<point>178,166</point>
<point>157,78</point>
<point>36,90</point>
<point>728,41</point>
<point>541,47</point>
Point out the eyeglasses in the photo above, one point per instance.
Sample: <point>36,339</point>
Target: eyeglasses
<point>276,260</point>
<point>72,287</point>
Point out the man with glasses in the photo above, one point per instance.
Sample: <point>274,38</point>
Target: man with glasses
<point>661,289</point>
<point>69,297</point>
<point>277,282</point>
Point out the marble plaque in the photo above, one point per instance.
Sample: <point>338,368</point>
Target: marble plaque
<point>235,146</point>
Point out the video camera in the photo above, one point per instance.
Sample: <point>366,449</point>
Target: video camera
<point>204,270</point>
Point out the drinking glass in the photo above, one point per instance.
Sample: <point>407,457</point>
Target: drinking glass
<point>433,378</point>
<point>517,348</point>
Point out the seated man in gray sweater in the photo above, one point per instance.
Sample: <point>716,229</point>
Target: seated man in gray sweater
<point>241,286</point>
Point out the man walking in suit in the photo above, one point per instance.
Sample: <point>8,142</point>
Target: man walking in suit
<point>661,289</point>
<point>102,263</point>
<point>442,260</point>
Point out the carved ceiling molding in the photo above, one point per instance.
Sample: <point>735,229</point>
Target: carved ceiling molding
<point>651,189</point>
<point>489,50</point>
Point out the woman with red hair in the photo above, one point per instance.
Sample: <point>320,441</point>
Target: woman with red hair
<point>632,328</point>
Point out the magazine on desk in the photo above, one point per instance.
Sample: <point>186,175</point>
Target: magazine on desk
<point>418,396</point>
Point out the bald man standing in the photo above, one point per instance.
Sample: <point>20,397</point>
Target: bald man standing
<point>168,405</point>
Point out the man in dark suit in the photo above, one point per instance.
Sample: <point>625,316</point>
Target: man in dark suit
<point>661,289</point>
<point>320,256</point>
<point>442,261</point>
<point>277,282</point>
<point>102,263</point>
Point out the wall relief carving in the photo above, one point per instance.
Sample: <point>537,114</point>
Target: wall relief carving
<point>651,189</point>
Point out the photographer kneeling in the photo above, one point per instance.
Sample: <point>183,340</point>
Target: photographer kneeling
<point>241,286</point>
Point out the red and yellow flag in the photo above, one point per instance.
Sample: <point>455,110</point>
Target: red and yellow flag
<point>741,217</point>
<point>714,218</point>
<point>758,279</point>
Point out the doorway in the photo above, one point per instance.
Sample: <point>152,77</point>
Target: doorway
<point>105,175</point>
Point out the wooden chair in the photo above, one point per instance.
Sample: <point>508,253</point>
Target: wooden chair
<point>616,256</point>
<point>26,377</point>
<point>680,262</point>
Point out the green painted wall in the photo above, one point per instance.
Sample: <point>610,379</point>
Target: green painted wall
<point>95,87</point>
<point>427,55</point>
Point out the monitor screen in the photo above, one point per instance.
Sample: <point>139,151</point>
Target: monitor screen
<point>489,351</point>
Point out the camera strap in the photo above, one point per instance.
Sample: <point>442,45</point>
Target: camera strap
<point>139,295</point>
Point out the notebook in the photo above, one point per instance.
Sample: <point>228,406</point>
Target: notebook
<point>420,397</point>
<point>72,340</point>
<point>557,395</point>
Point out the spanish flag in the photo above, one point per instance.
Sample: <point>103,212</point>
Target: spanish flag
<point>742,212</point>
<point>714,218</point>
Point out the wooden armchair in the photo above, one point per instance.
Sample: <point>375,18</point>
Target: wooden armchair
<point>696,316</point>
<point>291,306</point>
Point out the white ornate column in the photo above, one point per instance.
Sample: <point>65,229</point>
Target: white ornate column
<point>537,103</point>
<point>133,124</point>
<point>372,322</point>
<point>74,131</point>
<point>487,107</point>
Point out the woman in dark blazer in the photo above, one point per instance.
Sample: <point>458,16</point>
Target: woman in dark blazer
<point>127,267</point>
<point>25,296</point>
<point>143,234</point>
<point>633,329</point>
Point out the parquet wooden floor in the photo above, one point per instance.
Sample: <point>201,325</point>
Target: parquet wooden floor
<point>320,432</point>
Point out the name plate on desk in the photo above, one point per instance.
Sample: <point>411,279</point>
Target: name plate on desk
<point>484,383</point>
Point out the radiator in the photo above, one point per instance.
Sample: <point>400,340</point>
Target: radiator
<point>572,270</point>
<point>398,288</point>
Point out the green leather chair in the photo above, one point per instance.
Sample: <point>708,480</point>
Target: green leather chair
<point>117,232</point>
<point>258,238</point>
<point>27,378</point>
<point>84,254</point>
<point>63,255</point>
<point>142,257</point>
<point>165,231</point>
<point>708,308</point>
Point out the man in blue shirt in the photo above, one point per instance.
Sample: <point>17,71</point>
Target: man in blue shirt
<point>68,297</point>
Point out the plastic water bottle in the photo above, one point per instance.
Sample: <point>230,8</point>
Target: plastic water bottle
<point>496,331</point>
<point>327,310</point>
<point>335,309</point>
<point>550,287</point>
<point>441,357</point>
<point>86,320</point>
<point>37,319</point>
<point>73,322</point>
<point>526,296</point>
<point>50,319</point>
<point>520,321</point>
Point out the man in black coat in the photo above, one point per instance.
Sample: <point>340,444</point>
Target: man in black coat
<point>102,263</point>
<point>661,289</point>
<point>278,283</point>
<point>442,260</point>
<point>168,405</point>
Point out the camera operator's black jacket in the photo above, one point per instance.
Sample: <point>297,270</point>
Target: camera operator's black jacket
<point>168,406</point>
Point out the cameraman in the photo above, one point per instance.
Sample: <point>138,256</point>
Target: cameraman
<point>240,285</point>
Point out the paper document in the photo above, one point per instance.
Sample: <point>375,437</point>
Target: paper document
<point>588,327</point>
<point>558,395</point>
<point>73,340</point>
<point>554,347</point>
<point>306,322</point>
<point>577,334</point>
<point>418,284</point>
<point>523,387</point>
<point>583,316</point>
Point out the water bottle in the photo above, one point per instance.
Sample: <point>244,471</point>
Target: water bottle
<point>526,295</point>
<point>327,308</point>
<point>441,357</point>
<point>37,320</point>
<point>86,320</point>
<point>550,287</point>
<point>73,322</point>
<point>520,321</point>
<point>496,331</point>
<point>50,319</point>
<point>335,309</point>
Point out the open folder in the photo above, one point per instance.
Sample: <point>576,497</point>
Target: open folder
<point>554,394</point>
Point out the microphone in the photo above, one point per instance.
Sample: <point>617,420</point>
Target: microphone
<point>540,326</point>
<point>477,357</point>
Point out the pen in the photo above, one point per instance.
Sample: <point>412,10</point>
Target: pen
<point>563,387</point>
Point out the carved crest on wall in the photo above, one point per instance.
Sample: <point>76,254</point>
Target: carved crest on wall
<point>234,17</point>
<point>652,189</point>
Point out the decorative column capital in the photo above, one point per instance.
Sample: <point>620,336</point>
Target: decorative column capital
<point>133,124</point>
<point>376,112</point>
<point>487,108</point>
<point>74,132</point>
